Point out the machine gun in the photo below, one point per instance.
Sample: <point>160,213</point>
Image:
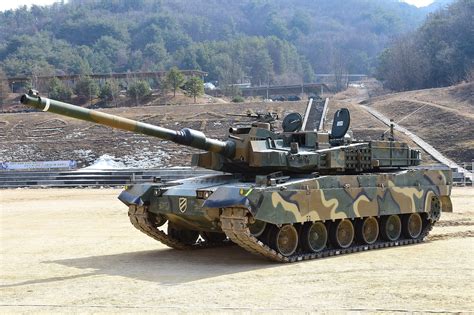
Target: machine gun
<point>268,117</point>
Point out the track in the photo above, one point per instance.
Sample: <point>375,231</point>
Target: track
<point>141,220</point>
<point>235,225</point>
<point>234,222</point>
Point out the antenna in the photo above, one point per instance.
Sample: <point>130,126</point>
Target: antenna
<point>392,125</point>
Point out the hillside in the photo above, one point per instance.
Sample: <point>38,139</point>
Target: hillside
<point>264,41</point>
<point>439,53</point>
<point>444,117</point>
<point>41,136</point>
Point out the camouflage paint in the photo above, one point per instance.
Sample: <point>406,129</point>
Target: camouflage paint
<point>302,200</point>
<point>330,196</point>
<point>339,197</point>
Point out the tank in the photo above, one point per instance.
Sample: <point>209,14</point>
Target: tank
<point>286,195</point>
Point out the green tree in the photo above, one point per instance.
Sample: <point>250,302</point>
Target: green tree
<point>194,87</point>
<point>58,90</point>
<point>439,53</point>
<point>175,79</point>
<point>138,90</point>
<point>109,91</point>
<point>86,87</point>
<point>156,56</point>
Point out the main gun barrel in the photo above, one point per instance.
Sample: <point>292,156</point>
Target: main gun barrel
<point>186,136</point>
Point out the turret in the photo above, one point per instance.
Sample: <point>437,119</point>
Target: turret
<point>257,148</point>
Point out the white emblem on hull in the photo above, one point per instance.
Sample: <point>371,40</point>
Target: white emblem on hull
<point>183,204</point>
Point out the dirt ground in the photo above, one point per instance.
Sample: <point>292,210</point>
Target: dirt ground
<point>74,250</point>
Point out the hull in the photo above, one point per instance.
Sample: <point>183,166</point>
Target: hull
<point>293,218</point>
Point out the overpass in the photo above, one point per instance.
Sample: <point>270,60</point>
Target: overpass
<point>272,91</point>
<point>285,90</point>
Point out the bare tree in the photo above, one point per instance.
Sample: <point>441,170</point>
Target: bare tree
<point>403,66</point>
<point>4,89</point>
<point>339,69</point>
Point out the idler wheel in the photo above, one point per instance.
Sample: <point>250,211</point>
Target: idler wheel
<point>285,240</point>
<point>435,209</point>
<point>367,230</point>
<point>314,237</point>
<point>185,236</point>
<point>342,233</point>
<point>157,219</point>
<point>412,225</point>
<point>257,228</point>
<point>391,227</point>
<point>213,237</point>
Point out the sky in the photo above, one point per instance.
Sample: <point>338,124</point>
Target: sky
<point>6,5</point>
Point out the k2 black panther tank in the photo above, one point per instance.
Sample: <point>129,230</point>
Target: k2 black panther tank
<point>287,196</point>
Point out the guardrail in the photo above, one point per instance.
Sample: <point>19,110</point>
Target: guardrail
<point>95,178</point>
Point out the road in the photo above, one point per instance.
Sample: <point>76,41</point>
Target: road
<point>73,250</point>
<point>422,143</point>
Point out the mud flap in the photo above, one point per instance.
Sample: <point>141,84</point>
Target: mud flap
<point>446,205</point>
<point>136,195</point>
<point>226,197</point>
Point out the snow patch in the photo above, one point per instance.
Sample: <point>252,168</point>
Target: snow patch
<point>105,162</point>
<point>143,159</point>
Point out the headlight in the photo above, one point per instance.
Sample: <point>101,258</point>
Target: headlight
<point>203,194</point>
<point>245,192</point>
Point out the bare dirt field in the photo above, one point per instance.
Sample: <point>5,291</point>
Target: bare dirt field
<point>74,250</point>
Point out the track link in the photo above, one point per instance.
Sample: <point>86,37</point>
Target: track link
<point>140,219</point>
<point>235,225</point>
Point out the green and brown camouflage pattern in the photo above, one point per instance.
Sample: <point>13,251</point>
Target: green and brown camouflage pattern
<point>278,178</point>
<point>301,200</point>
<point>351,196</point>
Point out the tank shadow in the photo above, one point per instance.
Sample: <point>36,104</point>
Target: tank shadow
<point>170,266</point>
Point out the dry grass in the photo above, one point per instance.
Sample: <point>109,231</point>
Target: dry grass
<point>444,117</point>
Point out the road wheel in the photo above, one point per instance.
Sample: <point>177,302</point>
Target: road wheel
<point>257,228</point>
<point>412,225</point>
<point>285,240</point>
<point>342,233</point>
<point>391,227</point>
<point>185,236</point>
<point>367,230</point>
<point>314,237</point>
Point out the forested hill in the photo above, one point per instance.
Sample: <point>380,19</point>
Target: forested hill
<point>278,41</point>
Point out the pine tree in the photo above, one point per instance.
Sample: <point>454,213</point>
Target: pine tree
<point>175,79</point>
